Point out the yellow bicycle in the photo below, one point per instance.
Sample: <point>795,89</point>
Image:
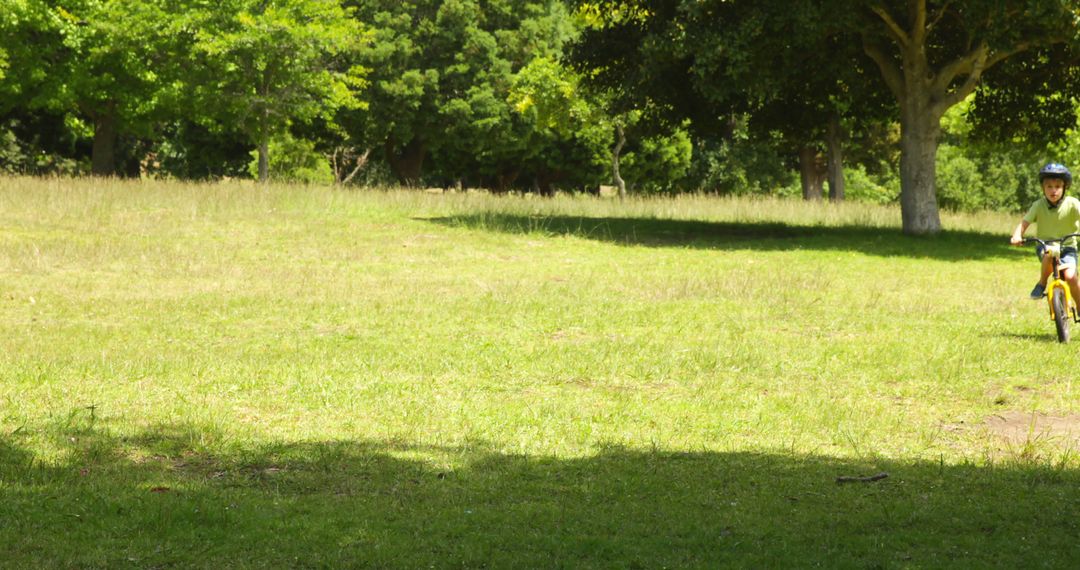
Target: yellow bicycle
<point>1058,296</point>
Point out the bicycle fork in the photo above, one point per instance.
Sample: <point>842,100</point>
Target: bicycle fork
<point>1070,304</point>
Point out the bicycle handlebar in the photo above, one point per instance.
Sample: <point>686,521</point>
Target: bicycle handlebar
<point>1049,241</point>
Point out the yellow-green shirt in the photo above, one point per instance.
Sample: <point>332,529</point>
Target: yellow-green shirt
<point>1054,223</point>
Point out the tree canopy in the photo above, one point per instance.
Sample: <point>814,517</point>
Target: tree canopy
<point>539,95</point>
<point>801,58</point>
<point>266,65</point>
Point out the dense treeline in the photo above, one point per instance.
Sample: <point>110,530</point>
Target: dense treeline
<point>425,92</point>
<point>797,98</point>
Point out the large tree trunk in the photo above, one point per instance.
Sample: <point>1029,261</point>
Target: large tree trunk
<point>924,92</point>
<point>408,164</point>
<point>103,157</point>
<point>619,182</point>
<point>919,134</point>
<point>835,142</point>
<point>811,173</point>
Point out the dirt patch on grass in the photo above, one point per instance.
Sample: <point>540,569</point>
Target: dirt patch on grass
<point>1022,427</point>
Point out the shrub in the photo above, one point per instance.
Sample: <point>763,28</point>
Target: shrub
<point>294,160</point>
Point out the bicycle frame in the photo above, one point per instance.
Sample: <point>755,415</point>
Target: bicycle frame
<point>1056,282</point>
<point>1052,247</point>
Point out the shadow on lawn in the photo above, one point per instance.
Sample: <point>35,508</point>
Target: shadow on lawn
<point>949,245</point>
<point>159,500</point>
<point>1048,337</point>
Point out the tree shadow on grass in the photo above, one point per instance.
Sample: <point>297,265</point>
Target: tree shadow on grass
<point>769,236</point>
<point>161,499</point>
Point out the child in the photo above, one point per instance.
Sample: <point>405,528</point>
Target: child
<point>1055,215</point>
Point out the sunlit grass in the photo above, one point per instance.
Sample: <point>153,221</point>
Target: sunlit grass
<point>192,372</point>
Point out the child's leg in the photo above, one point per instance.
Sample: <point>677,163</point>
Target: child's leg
<point>1068,272</point>
<point>1069,275</point>
<point>1047,269</point>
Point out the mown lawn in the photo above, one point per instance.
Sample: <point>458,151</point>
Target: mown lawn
<point>235,376</point>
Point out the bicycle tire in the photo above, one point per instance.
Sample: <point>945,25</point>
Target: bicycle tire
<point>1061,317</point>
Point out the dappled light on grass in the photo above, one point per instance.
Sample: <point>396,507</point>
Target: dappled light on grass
<point>153,499</point>
<point>243,376</point>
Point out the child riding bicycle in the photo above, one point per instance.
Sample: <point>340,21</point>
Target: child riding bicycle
<point>1054,215</point>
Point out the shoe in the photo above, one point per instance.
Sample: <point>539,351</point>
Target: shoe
<point>1038,292</point>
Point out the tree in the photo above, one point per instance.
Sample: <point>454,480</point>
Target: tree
<point>570,130</point>
<point>8,23</point>
<point>814,107</point>
<point>658,163</point>
<point>441,74</point>
<point>93,59</point>
<point>1030,100</point>
<point>32,118</point>
<point>30,39</point>
<point>671,61</point>
<point>401,102</point>
<point>932,55</point>
<point>566,135</point>
<point>634,59</point>
<point>264,64</point>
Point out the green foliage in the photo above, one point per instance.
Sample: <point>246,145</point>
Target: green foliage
<point>659,163</point>
<point>972,179</point>
<point>30,43</point>
<point>269,63</point>
<point>441,78</point>
<point>43,143</point>
<point>516,94</point>
<point>18,156</point>
<point>973,175</point>
<point>566,134</point>
<point>738,167</point>
<point>192,151</point>
<point>1030,100</point>
<point>861,186</point>
<point>562,115</point>
<point>1065,149</point>
<point>294,160</point>
<point>549,96</point>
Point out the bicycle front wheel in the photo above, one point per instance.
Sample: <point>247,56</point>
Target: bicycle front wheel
<point>1061,316</point>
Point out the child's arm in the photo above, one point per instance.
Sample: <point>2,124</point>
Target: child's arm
<point>1018,234</point>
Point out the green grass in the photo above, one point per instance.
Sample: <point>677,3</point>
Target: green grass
<point>235,376</point>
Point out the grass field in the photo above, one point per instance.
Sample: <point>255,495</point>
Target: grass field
<point>233,376</point>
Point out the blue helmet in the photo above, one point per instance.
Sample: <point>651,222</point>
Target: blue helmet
<point>1055,170</point>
